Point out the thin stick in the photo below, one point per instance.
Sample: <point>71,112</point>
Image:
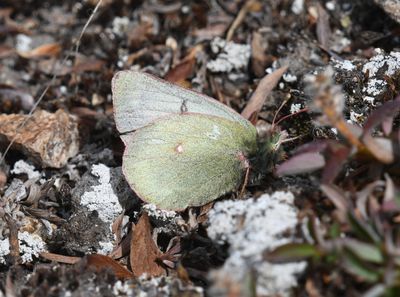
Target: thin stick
<point>63,63</point>
<point>239,19</point>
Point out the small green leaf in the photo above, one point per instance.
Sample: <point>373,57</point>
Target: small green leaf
<point>292,252</point>
<point>359,268</point>
<point>362,229</point>
<point>364,251</point>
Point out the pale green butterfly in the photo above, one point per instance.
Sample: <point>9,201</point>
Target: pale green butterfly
<point>182,148</point>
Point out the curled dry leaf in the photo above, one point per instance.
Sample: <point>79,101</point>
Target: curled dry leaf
<point>50,138</point>
<point>144,251</point>
<point>264,88</point>
<point>45,50</point>
<point>101,262</point>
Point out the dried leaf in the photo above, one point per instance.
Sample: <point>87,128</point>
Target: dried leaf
<point>51,138</point>
<point>264,88</point>
<point>144,251</point>
<point>101,262</point>
<point>301,163</point>
<point>259,58</point>
<point>3,179</point>
<point>45,50</point>
<point>60,258</point>
<point>184,68</point>
<point>323,29</point>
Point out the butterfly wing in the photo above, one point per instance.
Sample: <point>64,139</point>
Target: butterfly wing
<point>140,98</point>
<point>187,159</point>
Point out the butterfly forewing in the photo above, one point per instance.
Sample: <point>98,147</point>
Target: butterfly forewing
<point>187,159</point>
<point>140,98</point>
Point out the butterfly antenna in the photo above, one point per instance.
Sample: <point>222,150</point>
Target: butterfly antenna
<point>279,109</point>
<point>290,115</point>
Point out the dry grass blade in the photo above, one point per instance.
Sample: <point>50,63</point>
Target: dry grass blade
<point>264,88</point>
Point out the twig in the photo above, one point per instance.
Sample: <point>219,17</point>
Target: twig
<point>63,63</point>
<point>239,19</point>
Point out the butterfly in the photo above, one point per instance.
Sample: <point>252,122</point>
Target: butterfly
<point>182,148</point>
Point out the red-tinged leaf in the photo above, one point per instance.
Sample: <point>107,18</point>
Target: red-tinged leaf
<point>144,251</point>
<point>387,126</point>
<point>317,146</point>
<point>380,148</point>
<point>292,252</point>
<point>336,158</point>
<point>264,88</point>
<point>101,262</point>
<point>337,196</point>
<point>381,114</point>
<point>301,163</point>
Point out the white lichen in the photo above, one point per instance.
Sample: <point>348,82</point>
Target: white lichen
<point>4,250</point>
<point>251,227</point>
<point>345,65</point>
<point>30,246</point>
<point>21,167</point>
<point>102,197</point>
<point>106,247</point>
<point>297,6</point>
<point>295,107</point>
<point>159,214</point>
<point>23,43</point>
<point>232,56</point>
<point>287,77</point>
<point>120,25</point>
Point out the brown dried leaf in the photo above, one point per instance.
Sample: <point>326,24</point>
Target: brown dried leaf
<point>101,262</point>
<point>259,96</point>
<point>144,251</point>
<point>184,68</point>
<point>259,58</point>
<point>50,138</point>
<point>60,258</point>
<point>3,179</point>
<point>45,50</point>
<point>323,29</point>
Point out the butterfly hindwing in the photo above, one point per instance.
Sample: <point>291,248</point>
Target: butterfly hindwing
<point>187,159</point>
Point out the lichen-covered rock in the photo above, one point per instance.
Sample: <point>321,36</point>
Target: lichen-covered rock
<point>251,227</point>
<point>50,138</point>
<point>392,8</point>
